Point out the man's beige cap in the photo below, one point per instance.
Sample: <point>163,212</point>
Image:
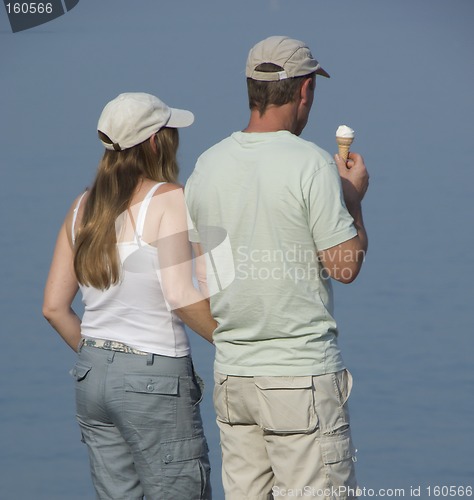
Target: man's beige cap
<point>292,55</point>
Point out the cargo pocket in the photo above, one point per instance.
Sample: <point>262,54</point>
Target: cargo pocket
<point>220,398</point>
<point>150,401</point>
<point>331,393</point>
<point>83,385</point>
<point>343,384</point>
<point>80,371</point>
<point>337,453</point>
<point>286,404</point>
<point>196,389</point>
<point>186,470</point>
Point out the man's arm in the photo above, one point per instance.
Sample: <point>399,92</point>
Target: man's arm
<point>344,261</point>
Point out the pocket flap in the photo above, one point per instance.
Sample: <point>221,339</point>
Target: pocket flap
<point>283,382</point>
<point>151,384</point>
<point>184,449</point>
<point>335,449</point>
<point>286,404</point>
<point>220,378</point>
<point>80,371</point>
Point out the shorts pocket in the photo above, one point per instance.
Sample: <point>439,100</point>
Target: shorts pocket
<point>331,393</point>
<point>196,389</point>
<point>150,400</point>
<point>337,453</point>
<point>286,404</point>
<point>151,384</point>
<point>80,371</point>
<point>343,385</point>
<point>85,389</point>
<point>186,469</point>
<point>220,397</point>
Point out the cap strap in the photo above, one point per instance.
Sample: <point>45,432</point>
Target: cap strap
<point>265,76</point>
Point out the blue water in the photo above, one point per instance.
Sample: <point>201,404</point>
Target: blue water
<point>406,324</point>
<point>406,335</point>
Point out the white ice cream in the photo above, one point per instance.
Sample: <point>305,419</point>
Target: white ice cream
<point>345,131</point>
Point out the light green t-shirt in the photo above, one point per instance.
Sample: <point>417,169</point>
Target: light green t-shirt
<point>262,204</point>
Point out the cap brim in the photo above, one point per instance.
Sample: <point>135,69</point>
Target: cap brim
<point>322,72</point>
<point>180,118</point>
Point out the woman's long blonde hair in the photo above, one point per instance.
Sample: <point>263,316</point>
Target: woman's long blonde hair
<point>96,261</point>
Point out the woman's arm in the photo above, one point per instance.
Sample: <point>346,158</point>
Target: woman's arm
<point>200,269</point>
<point>61,288</point>
<point>176,266</point>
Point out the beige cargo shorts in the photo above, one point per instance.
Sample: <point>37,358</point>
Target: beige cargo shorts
<point>285,436</point>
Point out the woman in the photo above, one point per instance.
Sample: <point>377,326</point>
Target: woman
<point>124,244</point>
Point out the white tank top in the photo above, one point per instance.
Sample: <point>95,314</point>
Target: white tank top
<point>134,311</point>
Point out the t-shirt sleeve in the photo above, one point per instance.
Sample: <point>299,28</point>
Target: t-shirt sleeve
<point>328,218</point>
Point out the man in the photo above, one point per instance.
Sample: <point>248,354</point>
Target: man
<point>291,224</point>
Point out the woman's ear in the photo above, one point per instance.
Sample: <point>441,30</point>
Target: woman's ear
<point>153,142</point>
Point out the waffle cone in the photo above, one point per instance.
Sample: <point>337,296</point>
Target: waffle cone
<point>344,143</point>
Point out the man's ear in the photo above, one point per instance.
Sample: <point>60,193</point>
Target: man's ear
<point>307,88</point>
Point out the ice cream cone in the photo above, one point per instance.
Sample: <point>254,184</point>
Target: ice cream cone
<point>344,143</point>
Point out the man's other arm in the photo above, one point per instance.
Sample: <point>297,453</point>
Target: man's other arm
<point>344,261</point>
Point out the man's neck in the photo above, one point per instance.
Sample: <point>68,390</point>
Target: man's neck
<point>274,119</point>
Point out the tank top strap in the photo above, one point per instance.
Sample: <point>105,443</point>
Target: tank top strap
<point>143,210</point>
<point>74,217</point>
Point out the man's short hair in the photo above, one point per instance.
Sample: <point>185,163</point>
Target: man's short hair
<point>277,93</point>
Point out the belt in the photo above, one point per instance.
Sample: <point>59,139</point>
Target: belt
<point>111,345</point>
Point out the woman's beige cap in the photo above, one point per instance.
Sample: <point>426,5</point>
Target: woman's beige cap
<point>133,117</point>
<point>292,55</point>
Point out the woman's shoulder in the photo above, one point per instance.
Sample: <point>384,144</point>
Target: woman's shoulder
<point>78,204</point>
<point>167,187</point>
<point>148,185</point>
<point>167,193</point>
<point>161,197</point>
<point>75,212</point>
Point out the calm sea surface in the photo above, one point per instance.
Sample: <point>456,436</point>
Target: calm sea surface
<point>406,324</point>
<point>406,334</point>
